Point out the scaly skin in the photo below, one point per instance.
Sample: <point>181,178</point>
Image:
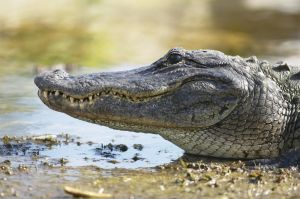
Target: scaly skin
<point>204,101</point>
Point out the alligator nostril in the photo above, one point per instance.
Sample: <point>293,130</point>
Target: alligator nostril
<point>59,74</point>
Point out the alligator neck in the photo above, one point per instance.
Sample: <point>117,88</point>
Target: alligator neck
<point>261,126</point>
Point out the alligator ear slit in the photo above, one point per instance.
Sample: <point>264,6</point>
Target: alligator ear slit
<point>282,66</point>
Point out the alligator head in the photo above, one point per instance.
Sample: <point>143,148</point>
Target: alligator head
<point>183,95</point>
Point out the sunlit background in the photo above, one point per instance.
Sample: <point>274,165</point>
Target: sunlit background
<point>111,32</point>
<point>90,35</point>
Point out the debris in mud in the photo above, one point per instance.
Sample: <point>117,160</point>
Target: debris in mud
<point>113,161</point>
<point>83,193</point>
<point>16,148</point>
<point>23,168</point>
<point>6,162</point>
<point>6,139</point>
<point>59,150</point>
<point>138,147</point>
<point>46,139</point>
<point>256,177</point>
<point>27,145</point>
<point>90,143</point>
<point>109,150</point>
<point>136,157</point>
<point>5,167</point>
<point>121,147</point>
<point>63,161</point>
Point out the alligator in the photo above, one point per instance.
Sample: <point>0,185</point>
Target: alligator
<point>204,101</point>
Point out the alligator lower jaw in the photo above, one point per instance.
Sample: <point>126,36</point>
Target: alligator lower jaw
<point>135,126</point>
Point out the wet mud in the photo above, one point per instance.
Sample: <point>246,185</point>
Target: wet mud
<point>26,173</point>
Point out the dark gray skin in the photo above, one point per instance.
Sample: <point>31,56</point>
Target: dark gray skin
<point>204,101</point>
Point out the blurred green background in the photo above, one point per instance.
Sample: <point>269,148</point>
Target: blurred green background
<point>114,32</point>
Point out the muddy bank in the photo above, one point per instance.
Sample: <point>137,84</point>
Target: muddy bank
<point>24,173</point>
<point>181,180</point>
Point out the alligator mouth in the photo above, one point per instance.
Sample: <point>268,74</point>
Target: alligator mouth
<point>50,96</point>
<point>93,97</point>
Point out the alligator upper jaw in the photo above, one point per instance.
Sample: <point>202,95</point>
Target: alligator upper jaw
<point>82,96</point>
<point>128,85</point>
<point>46,94</point>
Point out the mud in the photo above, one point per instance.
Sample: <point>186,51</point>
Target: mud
<point>25,173</point>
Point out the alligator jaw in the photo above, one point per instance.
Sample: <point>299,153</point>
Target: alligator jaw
<point>76,107</point>
<point>54,97</point>
<point>92,97</point>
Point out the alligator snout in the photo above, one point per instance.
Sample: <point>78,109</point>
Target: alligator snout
<point>43,79</point>
<point>56,80</point>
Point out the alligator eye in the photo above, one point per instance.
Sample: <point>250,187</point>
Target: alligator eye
<point>174,58</point>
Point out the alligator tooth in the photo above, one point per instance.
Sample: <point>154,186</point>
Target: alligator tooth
<point>72,99</point>
<point>45,94</point>
<point>81,100</point>
<point>64,96</point>
<point>91,98</point>
<point>81,106</point>
<point>56,93</point>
